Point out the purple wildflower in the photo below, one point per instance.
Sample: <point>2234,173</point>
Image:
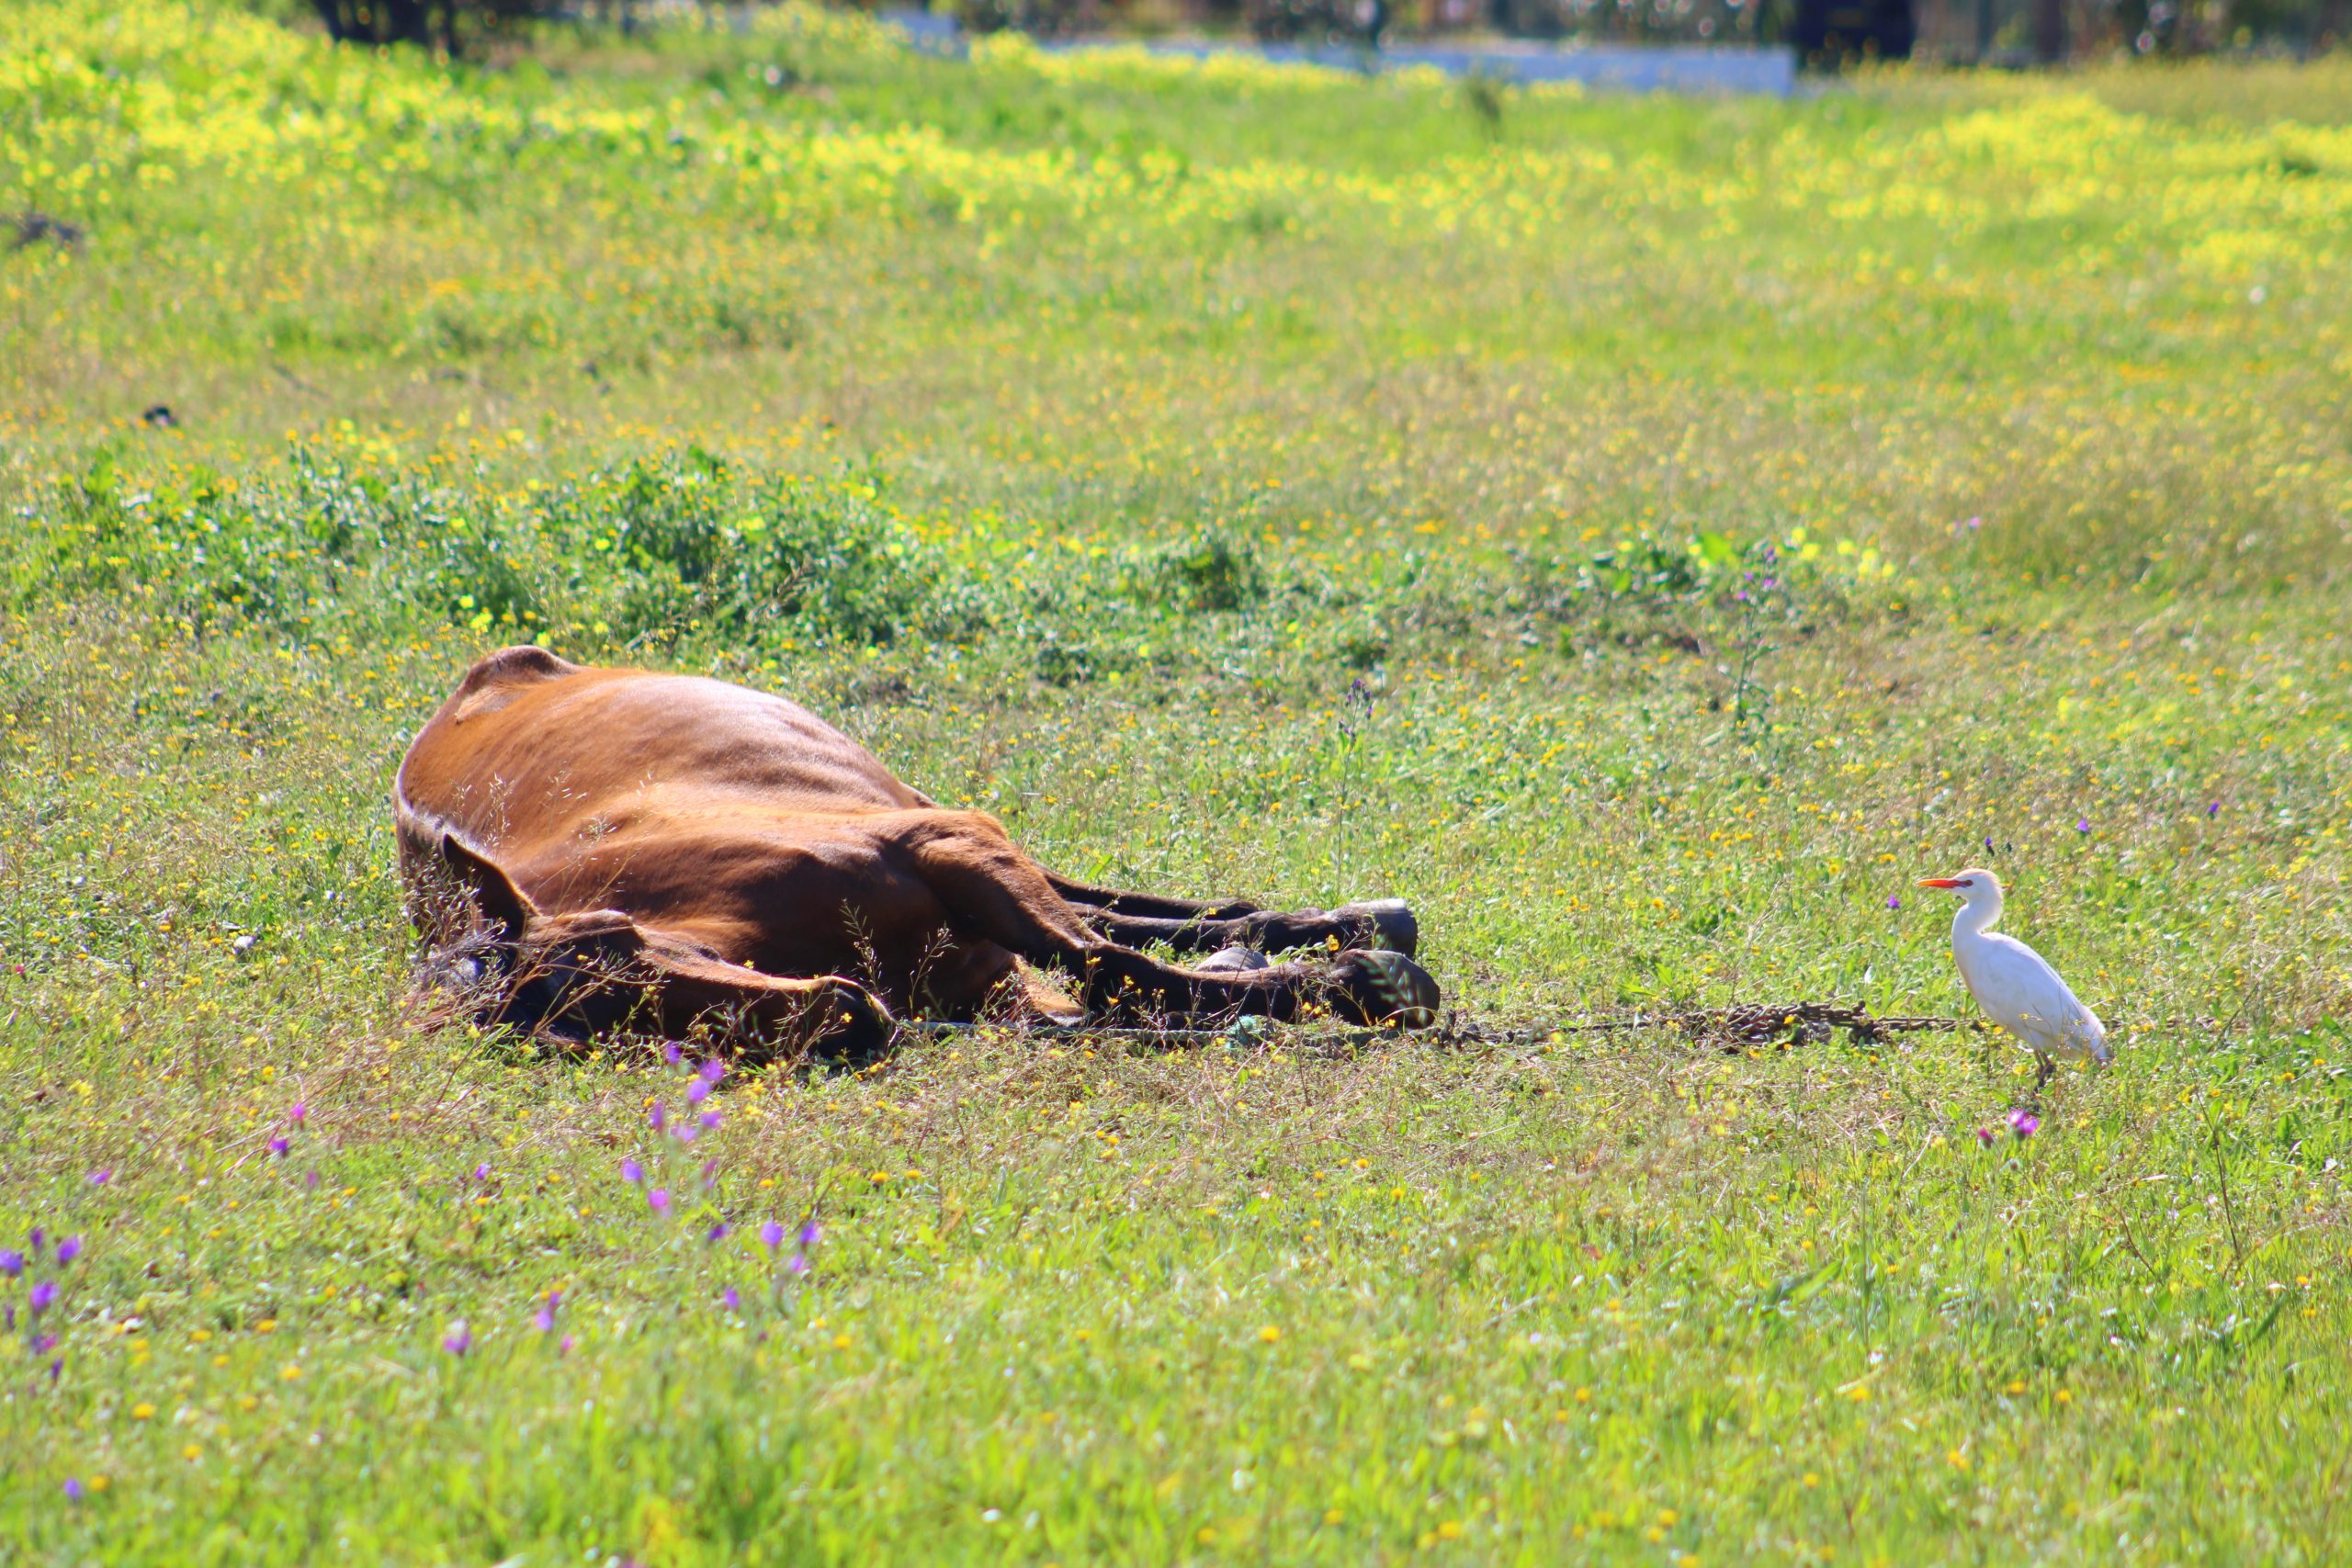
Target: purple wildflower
<point>732,1300</point>
<point>716,1233</point>
<point>796,1264</point>
<point>2024,1123</point>
<point>659,1198</point>
<point>44,1343</point>
<point>545,1317</point>
<point>73,1488</point>
<point>655,1118</point>
<point>711,1173</point>
<point>809,1233</point>
<point>12,1263</point>
<point>566,1343</point>
<point>632,1172</point>
<point>99,1178</point>
<point>37,1236</point>
<point>686,1132</point>
<point>68,1250</point>
<point>459,1340</point>
<point>2084,826</point>
<point>712,1070</point>
<point>481,1171</point>
<point>43,1294</point>
<point>671,1053</point>
<point>709,1120</point>
<point>1984,1137</point>
<point>277,1146</point>
<point>772,1236</point>
<point>1894,901</point>
<point>2213,808</point>
<point>697,1091</point>
<point>296,1112</point>
<point>309,1182</point>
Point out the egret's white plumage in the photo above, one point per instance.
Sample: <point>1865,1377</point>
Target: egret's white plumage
<point>2013,984</point>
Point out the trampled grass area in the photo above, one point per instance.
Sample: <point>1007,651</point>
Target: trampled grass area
<point>1645,533</point>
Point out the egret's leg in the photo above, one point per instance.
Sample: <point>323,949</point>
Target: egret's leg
<point>2049,1066</point>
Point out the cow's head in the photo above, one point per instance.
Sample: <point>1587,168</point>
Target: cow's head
<point>569,974</point>
<point>574,976</point>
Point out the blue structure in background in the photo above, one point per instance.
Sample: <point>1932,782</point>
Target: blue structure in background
<point>935,32</point>
<point>1649,70</point>
<point>1768,72</point>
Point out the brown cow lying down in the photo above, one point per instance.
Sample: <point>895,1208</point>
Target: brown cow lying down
<point>594,849</point>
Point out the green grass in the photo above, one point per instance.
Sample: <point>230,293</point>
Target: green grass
<point>1091,438</point>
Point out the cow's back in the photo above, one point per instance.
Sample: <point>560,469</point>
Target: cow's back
<point>531,747</point>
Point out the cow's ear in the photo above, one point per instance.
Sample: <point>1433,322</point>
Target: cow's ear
<point>507,907</point>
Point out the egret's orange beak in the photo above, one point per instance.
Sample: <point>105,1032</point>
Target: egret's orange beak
<point>1940,881</point>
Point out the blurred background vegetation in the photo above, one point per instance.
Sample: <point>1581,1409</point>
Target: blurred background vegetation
<point>1960,32</point>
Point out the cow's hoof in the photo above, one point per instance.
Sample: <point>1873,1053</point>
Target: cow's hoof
<point>851,1024</point>
<point>1234,961</point>
<point>1388,922</point>
<point>1384,988</point>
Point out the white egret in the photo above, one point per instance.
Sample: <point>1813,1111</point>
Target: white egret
<point>2013,984</point>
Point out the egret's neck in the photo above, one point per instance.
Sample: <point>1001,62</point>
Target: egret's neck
<point>1976,917</point>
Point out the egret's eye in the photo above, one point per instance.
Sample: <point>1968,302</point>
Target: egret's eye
<point>1968,882</point>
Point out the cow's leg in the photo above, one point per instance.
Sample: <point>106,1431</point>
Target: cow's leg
<point>1134,919</point>
<point>1387,924</point>
<point>759,1015</point>
<point>992,892</point>
<point>830,1012</point>
<point>1150,905</point>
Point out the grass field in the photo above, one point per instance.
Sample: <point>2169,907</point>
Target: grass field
<point>1645,533</point>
